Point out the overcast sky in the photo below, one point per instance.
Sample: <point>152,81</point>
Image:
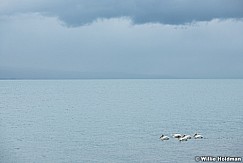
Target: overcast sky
<point>121,38</point>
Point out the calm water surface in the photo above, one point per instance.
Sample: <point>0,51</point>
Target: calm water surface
<point>118,120</point>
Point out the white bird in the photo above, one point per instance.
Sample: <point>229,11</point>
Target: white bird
<point>163,137</point>
<point>188,136</point>
<point>197,136</point>
<point>183,138</point>
<point>176,135</point>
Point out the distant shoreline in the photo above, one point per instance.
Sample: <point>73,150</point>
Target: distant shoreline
<point>114,78</point>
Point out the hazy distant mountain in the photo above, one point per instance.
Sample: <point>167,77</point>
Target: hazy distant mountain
<point>55,74</point>
<point>10,73</point>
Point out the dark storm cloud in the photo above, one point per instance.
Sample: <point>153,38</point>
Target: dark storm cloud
<point>34,44</point>
<point>79,12</point>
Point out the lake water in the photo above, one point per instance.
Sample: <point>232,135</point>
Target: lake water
<point>49,121</point>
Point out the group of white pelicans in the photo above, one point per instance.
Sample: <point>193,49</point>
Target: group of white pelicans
<point>181,137</point>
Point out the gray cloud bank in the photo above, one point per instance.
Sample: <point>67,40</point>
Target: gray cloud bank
<point>80,12</point>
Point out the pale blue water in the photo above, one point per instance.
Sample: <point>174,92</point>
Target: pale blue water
<point>118,120</point>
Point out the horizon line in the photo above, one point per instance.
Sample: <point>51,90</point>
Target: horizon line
<point>111,78</point>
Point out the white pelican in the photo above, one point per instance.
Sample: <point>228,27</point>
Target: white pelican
<point>188,136</point>
<point>163,137</point>
<point>197,136</point>
<point>176,135</point>
<point>183,138</point>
